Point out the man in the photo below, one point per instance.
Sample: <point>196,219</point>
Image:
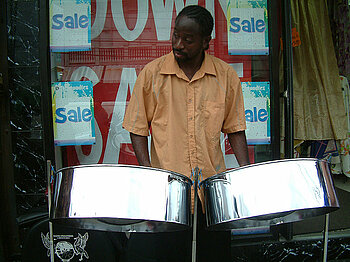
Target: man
<point>187,98</point>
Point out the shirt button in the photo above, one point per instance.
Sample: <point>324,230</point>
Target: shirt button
<point>189,100</point>
<point>191,137</point>
<point>190,118</point>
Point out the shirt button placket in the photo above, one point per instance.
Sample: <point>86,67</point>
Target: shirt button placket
<point>191,126</point>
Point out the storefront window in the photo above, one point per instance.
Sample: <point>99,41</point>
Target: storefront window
<point>124,36</point>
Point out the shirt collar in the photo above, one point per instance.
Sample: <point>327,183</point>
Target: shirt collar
<point>170,66</point>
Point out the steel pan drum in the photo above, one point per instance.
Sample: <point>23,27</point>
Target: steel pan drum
<point>121,198</point>
<point>269,193</point>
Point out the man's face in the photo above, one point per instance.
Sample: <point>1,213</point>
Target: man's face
<point>187,40</point>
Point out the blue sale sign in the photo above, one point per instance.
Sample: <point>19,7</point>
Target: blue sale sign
<point>73,113</point>
<point>247,27</point>
<point>70,25</point>
<point>257,112</point>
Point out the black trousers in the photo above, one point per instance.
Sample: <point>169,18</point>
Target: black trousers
<point>212,246</point>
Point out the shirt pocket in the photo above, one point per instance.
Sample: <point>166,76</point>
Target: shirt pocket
<point>214,118</point>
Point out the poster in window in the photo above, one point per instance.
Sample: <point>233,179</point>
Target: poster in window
<point>257,112</point>
<point>247,27</point>
<point>70,25</point>
<point>73,113</point>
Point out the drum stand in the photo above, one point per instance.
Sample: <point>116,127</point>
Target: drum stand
<point>325,237</point>
<point>49,176</point>
<point>195,174</point>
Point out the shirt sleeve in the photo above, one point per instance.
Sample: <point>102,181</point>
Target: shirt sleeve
<point>140,109</point>
<point>234,105</point>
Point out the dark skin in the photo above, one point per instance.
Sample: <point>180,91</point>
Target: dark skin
<point>238,143</point>
<point>140,145</point>
<point>188,47</point>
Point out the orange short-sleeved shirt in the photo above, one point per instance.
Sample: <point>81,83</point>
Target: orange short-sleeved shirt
<point>186,116</point>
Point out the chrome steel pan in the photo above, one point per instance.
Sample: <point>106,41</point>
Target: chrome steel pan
<point>121,198</point>
<point>269,193</point>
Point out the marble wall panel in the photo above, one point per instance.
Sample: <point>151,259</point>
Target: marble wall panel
<point>23,33</point>
<point>25,98</point>
<point>25,104</point>
<point>29,169</point>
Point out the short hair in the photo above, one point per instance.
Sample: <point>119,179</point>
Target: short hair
<point>202,17</point>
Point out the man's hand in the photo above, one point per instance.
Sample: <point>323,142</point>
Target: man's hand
<point>140,145</point>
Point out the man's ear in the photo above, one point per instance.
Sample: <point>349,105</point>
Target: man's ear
<point>206,41</point>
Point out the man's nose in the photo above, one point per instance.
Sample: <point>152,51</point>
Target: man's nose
<point>178,44</point>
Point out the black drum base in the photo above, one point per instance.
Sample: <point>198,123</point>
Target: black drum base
<point>72,244</point>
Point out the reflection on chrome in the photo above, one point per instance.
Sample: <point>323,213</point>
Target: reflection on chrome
<point>269,193</point>
<point>121,198</point>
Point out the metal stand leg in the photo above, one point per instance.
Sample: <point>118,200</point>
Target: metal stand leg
<point>194,237</point>
<point>195,211</point>
<point>325,237</point>
<point>52,253</point>
<point>49,175</point>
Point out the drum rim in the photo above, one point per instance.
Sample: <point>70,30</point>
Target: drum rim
<point>219,175</point>
<point>124,165</point>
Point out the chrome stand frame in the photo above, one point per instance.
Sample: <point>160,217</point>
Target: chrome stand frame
<point>195,175</point>
<point>49,195</point>
<point>325,237</point>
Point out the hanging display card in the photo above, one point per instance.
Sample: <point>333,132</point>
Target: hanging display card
<point>257,112</point>
<point>247,27</point>
<point>73,113</point>
<point>70,25</point>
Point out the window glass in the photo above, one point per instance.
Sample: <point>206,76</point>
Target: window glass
<point>125,36</point>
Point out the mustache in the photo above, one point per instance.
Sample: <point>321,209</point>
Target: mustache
<point>179,52</point>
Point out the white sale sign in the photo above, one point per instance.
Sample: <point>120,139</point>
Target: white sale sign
<point>247,32</point>
<point>70,25</point>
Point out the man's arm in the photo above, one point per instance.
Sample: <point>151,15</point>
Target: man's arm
<point>238,143</point>
<point>140,145</point>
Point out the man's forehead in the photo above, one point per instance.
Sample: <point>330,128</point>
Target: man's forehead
<point>187,25</point>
